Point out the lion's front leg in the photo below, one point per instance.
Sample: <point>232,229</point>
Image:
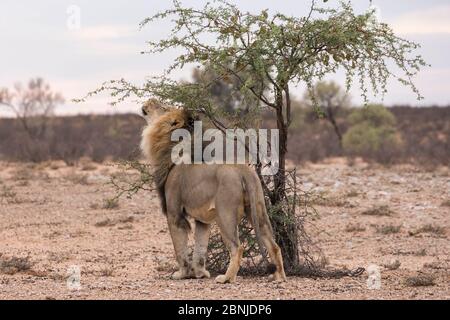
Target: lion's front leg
<point>201,237</point>
<point>179,233</point>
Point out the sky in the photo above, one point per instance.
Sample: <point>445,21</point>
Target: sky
<point>76,45</point>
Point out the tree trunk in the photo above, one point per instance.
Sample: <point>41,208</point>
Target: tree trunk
<point>331,118</point>
<point>283,215</point>
<point>280,177</point>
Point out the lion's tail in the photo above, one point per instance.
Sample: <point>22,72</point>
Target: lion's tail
<point>251,185</point>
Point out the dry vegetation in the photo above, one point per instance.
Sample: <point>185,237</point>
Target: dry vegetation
<point>73,139</point>
<point>379,210</point>
<point>354,227</point>
<point>421,280</point>
<point>428,228</point>
<point>424,132</point>
<point>388,229</point>
<point>14,265</point>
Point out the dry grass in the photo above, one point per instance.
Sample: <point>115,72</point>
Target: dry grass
<point>421,280</point>
<point>109,222</point>
<point>7,192</point>
<point>164,265</point>
<point>128,219</point>
<point>14,265</point>
<point>94,206</point>
<point>436,265</point>
<point>354,227</point>
<point>23,183</point>
<point>22,174</point>
<point>352,193</point>
<point>428,228</point>
<point>445,203</point>
<point>107,271</point>
<point>105,223</point>
<point>55,166</point>
<point>379,211</point>
<point>110,204</point>
<point>30,172</point>
<point>325,200</point>
<point>58,257</point>
<point>420,253</point>
<point>388,229</point>
<point>393,265</point>
<point>88,167</point>
<point>78,178</point>
<point>126,227</point>
<point>9,196</point>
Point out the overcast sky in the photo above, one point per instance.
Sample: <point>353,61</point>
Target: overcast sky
<point>35,40</point>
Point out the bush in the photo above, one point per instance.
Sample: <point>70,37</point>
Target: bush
<point>421,280</point>
<point>374,115</point>
<point>372,134</point>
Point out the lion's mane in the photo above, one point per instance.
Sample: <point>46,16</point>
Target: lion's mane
<point>157,146</point>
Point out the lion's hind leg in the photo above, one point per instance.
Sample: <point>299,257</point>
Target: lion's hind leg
<point>201,238</point>
<point>179,228</point>
<point>230,236</point>
<point>273,250</point>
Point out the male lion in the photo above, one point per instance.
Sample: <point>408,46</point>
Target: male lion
<point>206,193</point>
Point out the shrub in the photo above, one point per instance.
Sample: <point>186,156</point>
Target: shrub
<point>110,204</point>
<point>354,228</point>
<point>421,280</point>
<point>382,210</point>
<point>388,229</point>
<point>429,228</point>
<point>372,134</point>
<point>14,265</point>
<point>445,203</point>
<point>375,115</point>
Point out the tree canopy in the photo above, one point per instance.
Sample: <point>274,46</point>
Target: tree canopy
<point>276,51</point>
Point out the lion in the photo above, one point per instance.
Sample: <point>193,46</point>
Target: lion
<point>207,193</point>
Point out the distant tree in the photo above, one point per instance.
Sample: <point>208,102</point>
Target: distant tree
<point>330,98</point>
<point>33,105</point>
<point>233,105</point>
<point>223,91</point>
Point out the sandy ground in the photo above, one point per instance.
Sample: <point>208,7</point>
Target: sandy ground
<point>54,215</point>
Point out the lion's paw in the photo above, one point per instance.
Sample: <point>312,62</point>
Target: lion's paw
<point>277,278</point>
<point>223,279</point>
<point>199,274</point>
<point>179,275</point>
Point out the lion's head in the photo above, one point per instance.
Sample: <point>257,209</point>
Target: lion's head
<point>156,143</point>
